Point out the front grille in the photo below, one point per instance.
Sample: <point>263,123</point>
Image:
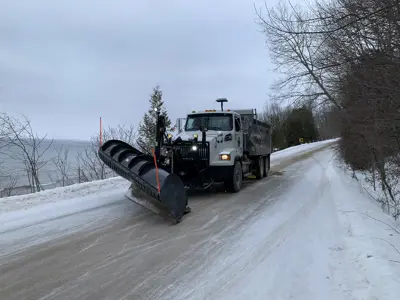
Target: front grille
<point>185,151</point>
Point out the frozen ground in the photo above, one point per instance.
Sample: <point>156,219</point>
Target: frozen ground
<point>305,232</point>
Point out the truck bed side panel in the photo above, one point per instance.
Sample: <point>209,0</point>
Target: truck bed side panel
<point>257,140</point>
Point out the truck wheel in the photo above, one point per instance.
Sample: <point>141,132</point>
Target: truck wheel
<point>234,182</point>
<point>259,168</point>
<point>266,166</point>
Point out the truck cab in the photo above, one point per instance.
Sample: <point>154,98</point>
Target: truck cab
<point>223,134</point>
<point>221,146</point>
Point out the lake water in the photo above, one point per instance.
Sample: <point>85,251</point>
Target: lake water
<point>11,164</point>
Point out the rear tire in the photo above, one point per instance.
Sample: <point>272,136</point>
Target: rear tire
<point>234,182</point>
<point>266,167</point>
<point>259,172</point>
<point>175,221</point>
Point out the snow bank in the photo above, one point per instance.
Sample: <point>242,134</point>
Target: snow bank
<point>41,213</point>
<point>370,254</point>
<point>374,190</point>
<point>12,203</point>
<point>300,149</point>
<point>62,193</point>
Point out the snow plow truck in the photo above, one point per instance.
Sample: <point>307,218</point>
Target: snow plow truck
<point>215,146</point>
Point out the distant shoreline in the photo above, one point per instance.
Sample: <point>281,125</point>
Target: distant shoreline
<point>67,140</point>
<point>48,174</point>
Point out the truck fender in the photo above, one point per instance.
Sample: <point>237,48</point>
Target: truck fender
<point>237,158</point>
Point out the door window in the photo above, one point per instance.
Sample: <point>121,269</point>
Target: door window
<point>237,124</point>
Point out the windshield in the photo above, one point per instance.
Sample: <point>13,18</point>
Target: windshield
<point>223,122</point>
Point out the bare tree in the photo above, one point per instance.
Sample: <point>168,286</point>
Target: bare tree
<point>3,172</point>
<point>4,133</point>
<point>7,189</point>
<point>369,90</point>
<point>90,167</point>
<point>326,119</point>
<point>293,39</point>
<point>3,177</point>
<point>345,53</point>
<point>27,147</point>
<point>276,115</point>
<point>4,137</point>
<point>63,166</point>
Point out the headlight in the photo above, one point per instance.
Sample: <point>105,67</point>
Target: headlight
<point>225,157</point>
<point>194,148</point>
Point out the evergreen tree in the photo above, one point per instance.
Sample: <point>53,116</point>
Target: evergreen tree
<point>147,128</point>
<point>300,124</point>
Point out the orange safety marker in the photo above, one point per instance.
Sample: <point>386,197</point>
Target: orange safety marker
<point>155,164</point>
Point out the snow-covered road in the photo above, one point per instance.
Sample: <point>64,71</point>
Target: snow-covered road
<point>301,233</point>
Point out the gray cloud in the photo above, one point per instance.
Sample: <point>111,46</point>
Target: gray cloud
<point>66,63</point>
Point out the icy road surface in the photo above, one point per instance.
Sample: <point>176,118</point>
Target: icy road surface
<point>298,234</point>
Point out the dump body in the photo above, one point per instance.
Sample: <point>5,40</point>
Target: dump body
<point>256,134</point>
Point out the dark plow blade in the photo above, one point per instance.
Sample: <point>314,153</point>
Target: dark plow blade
<point>140,170</point>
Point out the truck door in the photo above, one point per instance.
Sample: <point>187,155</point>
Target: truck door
<point>238,136</point>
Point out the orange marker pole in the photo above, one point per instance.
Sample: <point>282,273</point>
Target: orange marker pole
<point>101,133</point>
<point>155,164</point>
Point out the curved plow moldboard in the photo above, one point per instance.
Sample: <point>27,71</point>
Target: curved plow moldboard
<point>139,168</point>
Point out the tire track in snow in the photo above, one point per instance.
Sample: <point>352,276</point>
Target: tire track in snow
<point>238,264</point>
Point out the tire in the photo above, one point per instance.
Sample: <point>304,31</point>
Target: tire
<point>266,165</point>
<point>259,168</point>
<point>234,182</point>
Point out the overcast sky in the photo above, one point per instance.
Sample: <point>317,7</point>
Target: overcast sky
<point>66,63</point>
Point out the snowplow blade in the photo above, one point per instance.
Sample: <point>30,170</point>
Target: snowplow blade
<point>164,194</point>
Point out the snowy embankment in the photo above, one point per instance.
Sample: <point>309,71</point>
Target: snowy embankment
<point>119,184</point>
<point>371,185</point>
<point>370,258</point>
<point>369,261</point>
<point>298,150</point>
